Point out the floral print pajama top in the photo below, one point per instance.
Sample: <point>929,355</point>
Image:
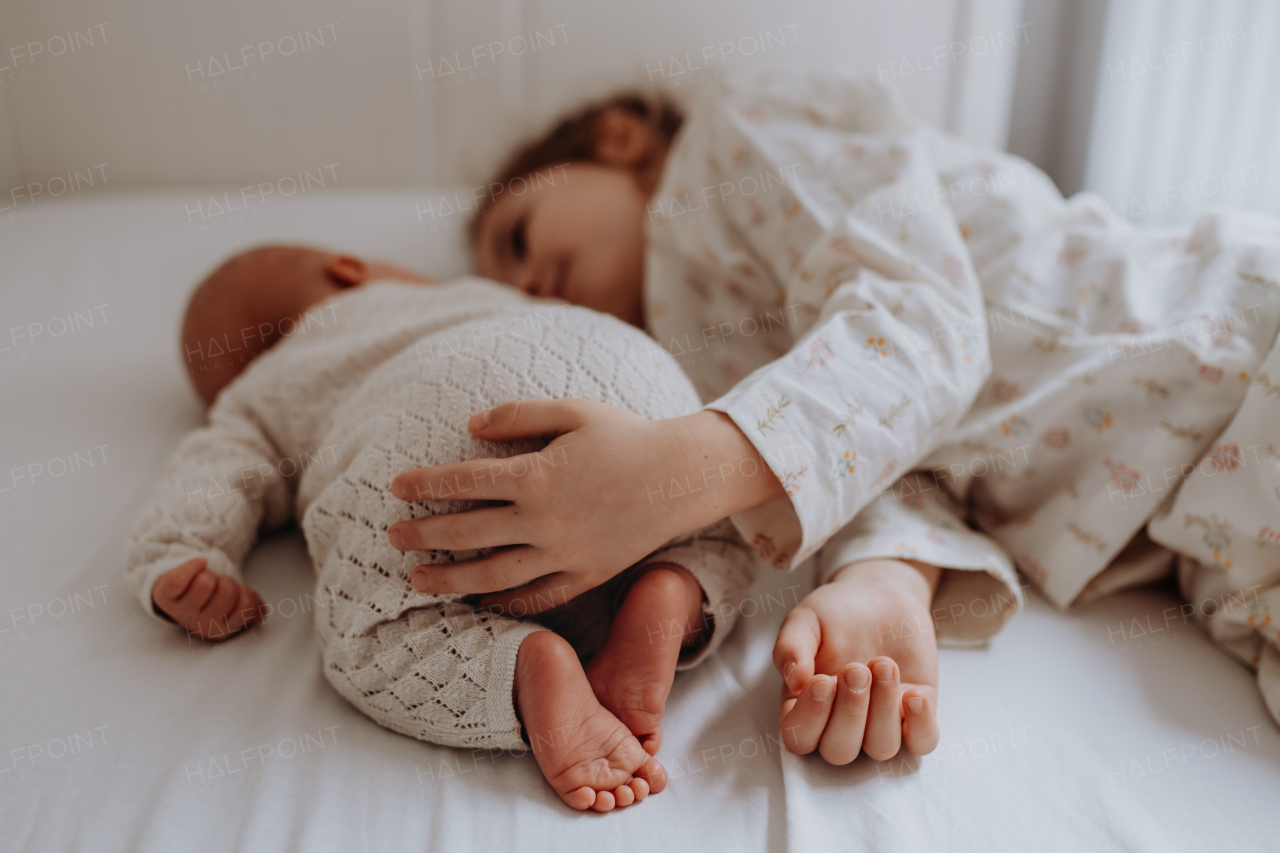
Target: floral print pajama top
<point>942,359</point>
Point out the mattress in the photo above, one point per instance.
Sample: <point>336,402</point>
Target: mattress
<point>1117,726</point>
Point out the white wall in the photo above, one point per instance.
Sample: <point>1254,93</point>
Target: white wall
<point>368,90</point>
<point>10,169</point>
<point>130,102</point>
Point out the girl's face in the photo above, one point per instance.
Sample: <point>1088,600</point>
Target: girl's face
<point>576,233</point>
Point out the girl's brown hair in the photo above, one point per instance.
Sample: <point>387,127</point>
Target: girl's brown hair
<point>573,140</point>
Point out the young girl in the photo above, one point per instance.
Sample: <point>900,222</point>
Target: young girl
<point>823,268</point>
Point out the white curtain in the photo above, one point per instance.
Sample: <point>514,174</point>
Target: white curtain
<point>1187,109</point>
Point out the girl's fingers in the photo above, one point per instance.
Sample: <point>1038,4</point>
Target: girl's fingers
<point>498,479</point>
<point>803,724</point>
<point>506,569</point>
<point>528,419</point>
<point>920,720</point>
<point>487,527</point>
<point>842,740</point>
<point>475,479</point>
<point>798,642</point>
<point>883,737</point>
<point>538,597</point>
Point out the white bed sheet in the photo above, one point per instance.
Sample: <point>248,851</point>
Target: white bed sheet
<point>1067,733</point>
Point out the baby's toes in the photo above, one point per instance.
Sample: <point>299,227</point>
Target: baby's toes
<point>581,799</point>
<point>653,776</point>
<point>919,721</point>
<point>652,741</point>
<point>639,788</point>
<point>624,795</point>
<point>604,801</point>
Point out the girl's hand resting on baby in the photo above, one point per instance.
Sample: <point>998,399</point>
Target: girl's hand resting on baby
<point>205,603</point>
<point>859,662</point>
<point>583,508</point>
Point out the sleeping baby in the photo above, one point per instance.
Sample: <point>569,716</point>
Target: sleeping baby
<point>327,376</point>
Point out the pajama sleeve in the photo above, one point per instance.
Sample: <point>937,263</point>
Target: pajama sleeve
<point>998,201</point>
<point>886,299</point>
<point>918,519</point>
<point>221,484</point>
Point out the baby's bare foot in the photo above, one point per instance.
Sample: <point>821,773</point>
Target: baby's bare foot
<point>589,757</point>
<point>632,673</point>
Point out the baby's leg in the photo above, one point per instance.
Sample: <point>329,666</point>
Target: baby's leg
<point>633,672</point>
<point>587,754</point>
<point>451,675</point>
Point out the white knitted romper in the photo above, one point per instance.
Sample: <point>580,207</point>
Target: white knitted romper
<point>377,381</point>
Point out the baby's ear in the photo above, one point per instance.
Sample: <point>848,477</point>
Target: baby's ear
<point>347,270</point>
<point>622,138</point>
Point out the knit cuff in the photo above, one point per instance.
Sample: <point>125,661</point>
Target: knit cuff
<point>143,577</point>
<point>978,591</point>
<point>500,706</point>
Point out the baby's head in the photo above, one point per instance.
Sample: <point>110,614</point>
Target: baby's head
<point>247,304</point>
<point>569,218</point>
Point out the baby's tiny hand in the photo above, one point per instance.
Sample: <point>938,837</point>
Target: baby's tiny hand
<point>205,603</point>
